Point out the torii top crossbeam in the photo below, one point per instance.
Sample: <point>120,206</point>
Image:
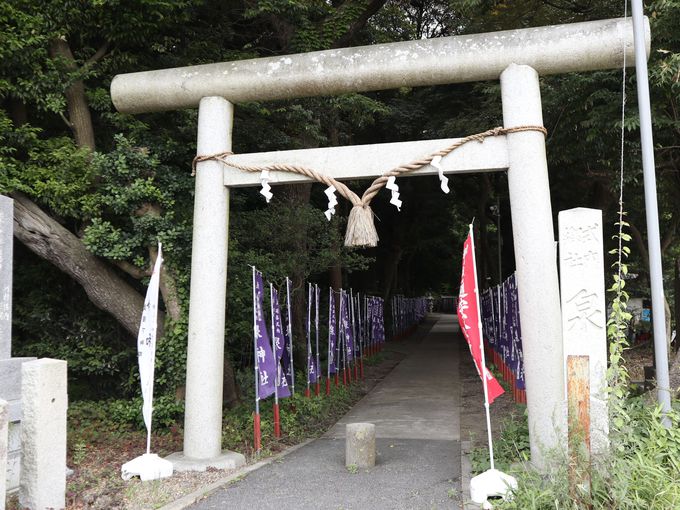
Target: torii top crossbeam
<point>588,46</point>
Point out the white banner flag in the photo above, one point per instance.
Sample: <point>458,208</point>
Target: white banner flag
<point>146,343</point>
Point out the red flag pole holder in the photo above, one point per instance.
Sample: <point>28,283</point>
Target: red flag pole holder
<point>328,386</point>
<point>277,421</point>
<point>317,390</point>
<point>257,434</point>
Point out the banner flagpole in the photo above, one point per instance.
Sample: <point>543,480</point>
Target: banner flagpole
<point>316,327</point>
<point>337,340</point>
<point>481,346</point>
<point>354,334</point>
<point>148,466</point>
<point>289,327</point>
<point>491,482</point>
<point>330,347</point>
<point>360,336</point>
<point>309,335</point>
<point>256,420</point>
<point>277,416</point>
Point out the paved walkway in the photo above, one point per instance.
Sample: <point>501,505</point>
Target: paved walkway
<point>416,410</point>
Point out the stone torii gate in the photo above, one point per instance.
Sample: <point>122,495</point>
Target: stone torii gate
<point>516,57</point>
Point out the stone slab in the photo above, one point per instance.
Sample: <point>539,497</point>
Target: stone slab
<point>43,434</point>
<point>228,460</point>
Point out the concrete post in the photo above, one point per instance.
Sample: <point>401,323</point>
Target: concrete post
<point>535,256</point>
<point>205,350</point>
<point>4,422</point>
<point>43,434</point>
<point>360,445</point>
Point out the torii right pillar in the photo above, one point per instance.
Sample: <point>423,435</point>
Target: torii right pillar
<point>536,263</point>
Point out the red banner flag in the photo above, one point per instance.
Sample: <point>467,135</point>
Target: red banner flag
<point>469,318</point>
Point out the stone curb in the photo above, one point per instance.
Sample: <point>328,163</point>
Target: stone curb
<point>193,497</point>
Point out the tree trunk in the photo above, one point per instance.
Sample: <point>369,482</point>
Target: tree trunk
<point>52,242</point>
<point>298,195</point>
<point>79,118</point>
<point>168,287</point>
<point>390,271</point>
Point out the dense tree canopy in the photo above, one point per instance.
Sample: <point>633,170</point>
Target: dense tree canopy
<point>95,189</point>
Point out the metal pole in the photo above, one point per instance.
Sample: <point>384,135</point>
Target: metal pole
<point>256,421</point>
<point>309,334</point>
<point>277,422</point>
<point>652,212</point>
<point>316,328</point>
<point>481,348</point>
<point>290,337</point>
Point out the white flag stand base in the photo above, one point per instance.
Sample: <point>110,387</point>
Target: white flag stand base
<point>148,467</point>
<point>489,484</point>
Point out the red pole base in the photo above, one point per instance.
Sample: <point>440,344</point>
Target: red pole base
<point>307,393</point>
<point>257,435</point>
<point>361,367</point>
<point>328,386</point>
<point>337,381</point>
<point>318,388</point>
<point>344,376</point>
<point>349,374</point>
<point>277,421</point>
<point>356,372</point>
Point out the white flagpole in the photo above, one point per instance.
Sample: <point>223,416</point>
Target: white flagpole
<point>290,338</point>
<point>316,327</point>
<point>148,466</point>
<point>278,365</point>
<point>481,348</point>
<point>257,372</point>
<point>330,354</point>
<point>309,333</point>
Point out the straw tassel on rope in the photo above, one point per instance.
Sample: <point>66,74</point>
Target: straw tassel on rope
<point>361,231</point>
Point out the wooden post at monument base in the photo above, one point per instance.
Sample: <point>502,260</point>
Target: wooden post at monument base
<point>578,437</point>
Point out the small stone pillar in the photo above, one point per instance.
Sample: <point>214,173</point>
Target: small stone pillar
<point>360,445</point>
<point>4,422</point>
<point>43,434</point>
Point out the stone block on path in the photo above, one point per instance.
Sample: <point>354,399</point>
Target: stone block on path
<point>360,445</point>
<point>43,434</point>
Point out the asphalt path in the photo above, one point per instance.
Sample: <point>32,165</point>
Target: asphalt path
<point>416,410</point>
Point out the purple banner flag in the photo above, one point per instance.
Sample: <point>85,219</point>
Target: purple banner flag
<point>331,332</point>
<point>311,362</point>
<point>264,358</point>
<point>347,327</point>
<point>279,345</point>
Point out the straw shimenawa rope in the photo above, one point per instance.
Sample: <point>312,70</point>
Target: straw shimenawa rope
<point>361,230</point>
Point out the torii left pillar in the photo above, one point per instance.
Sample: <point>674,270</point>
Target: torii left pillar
<point>207,300</point>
